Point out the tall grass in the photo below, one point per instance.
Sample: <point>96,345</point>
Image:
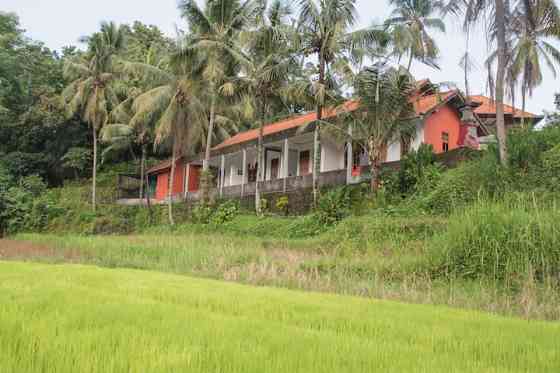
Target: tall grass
<point>374,256</point>
<point>85,319</point>
<point>500,240</point>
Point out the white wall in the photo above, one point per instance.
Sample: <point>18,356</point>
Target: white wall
<point>332,156</point>
<point>270,157</point>
<point>419,137</point>
<point>394,151</point>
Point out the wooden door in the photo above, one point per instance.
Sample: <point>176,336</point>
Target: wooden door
<point>304,162</point>
<point>274,167</point>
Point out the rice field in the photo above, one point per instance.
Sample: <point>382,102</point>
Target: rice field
<point>76,318</point>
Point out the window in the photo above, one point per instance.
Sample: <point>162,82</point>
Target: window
<point>445,141</point>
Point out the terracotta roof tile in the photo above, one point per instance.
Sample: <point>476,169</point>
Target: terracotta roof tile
<point>293,122</point>
<point>423,104</point>
<point>488,107</point>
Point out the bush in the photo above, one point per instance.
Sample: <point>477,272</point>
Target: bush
<point>282,204</point>
<point>500,240</point>
<point>225,212</point>
<point>333,205</point>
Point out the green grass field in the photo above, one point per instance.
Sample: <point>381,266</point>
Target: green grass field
<point>74,318</point>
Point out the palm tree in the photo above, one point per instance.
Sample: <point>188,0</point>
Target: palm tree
<point>474,12</point>
<point>90,93</point>
<point>323,32</point>
<point>385,114</point>
<point>213,31</point>
<point>409,27</point>
<point>122,131</point>
<point>535,21</point>
<point>265,68</point>
<point>174,102</point>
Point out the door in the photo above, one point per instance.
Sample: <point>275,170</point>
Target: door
<point>274,167</point>
<point>194,177</point>
<point>304,163</point>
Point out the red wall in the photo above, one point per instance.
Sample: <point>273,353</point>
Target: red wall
<point>445,119</point>
<point>162,186</point>
<point>194,177</point>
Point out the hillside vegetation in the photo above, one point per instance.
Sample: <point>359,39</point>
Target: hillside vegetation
<point>460,237</point>
<point>78,318</point>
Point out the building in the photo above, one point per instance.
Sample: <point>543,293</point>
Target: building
<point>288,151</point>
<point>485,109</point>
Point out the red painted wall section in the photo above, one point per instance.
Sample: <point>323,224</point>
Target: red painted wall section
<point>179,182</point>
<point>162,186</point>
<point>445,119</point>
<point>194,177</point>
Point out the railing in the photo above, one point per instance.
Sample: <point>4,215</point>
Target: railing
<point>331,178</point>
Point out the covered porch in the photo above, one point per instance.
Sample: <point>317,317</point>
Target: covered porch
<point>288,165</point>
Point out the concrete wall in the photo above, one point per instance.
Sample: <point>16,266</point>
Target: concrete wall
<point>394,152</point>
<point>332,156</point>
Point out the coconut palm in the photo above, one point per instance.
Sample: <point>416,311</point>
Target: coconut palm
<point>90,93</point>
<point>409,26</point>
<point>172,102</point>
<point>385,113</point>
<point>123,132</point>
<point>213,31</point>
<point>535,22</point>
<point>323,29</point>
<point>475,12</point>
<point>265,68</point>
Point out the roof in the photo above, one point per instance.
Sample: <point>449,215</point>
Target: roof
<point>422,105</point>
<point>286,124</point>
<point>488,107</point>
<point>425,104</point>
<point>161,166</point>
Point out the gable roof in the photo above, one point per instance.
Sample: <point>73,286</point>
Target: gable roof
<point>283,125</point>
<point>161,166</point>
<point>488,107</point>
<point>422,105</point>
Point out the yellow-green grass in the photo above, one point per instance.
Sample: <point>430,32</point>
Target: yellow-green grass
<point>74,318</point>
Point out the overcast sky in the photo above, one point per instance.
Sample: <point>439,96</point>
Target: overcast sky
<point>59,23</point>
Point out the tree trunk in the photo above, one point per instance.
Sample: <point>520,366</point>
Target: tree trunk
<point>142,168</point>
<point>171,182</point>
<point>206,163</point>
<point>523,98</point>
<point>94,175</point>
<point>500,77</point>
<point>316,133</point>
<point>148,203</point>
<point>375,165</point>
<point>260,166</point>
<point>409,62</point>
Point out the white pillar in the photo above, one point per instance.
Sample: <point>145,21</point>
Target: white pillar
<point>222,174</point>
<point>349,156</point>
<point>244,172</point>
<point>285,162</point>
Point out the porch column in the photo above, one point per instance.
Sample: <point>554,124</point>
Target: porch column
<point>244,172</point>
<point>349,157</point>
<point>222,174</point>
<point>285,162</point>
<point>187,177</point>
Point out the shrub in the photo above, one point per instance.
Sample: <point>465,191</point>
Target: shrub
<point>333,205</point>
<point>201,213</point>
<point>225,212</point>
<point>500,240</point>
<point>282,204</point>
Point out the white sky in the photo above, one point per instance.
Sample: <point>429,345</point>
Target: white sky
<point>60,23</point>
